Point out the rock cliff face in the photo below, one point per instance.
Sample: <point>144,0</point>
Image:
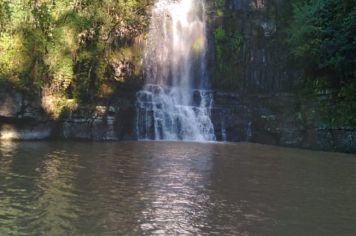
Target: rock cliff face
<point>256,99</point>
<point>262,102</point>
<point>22,118</point>
<point>248,46</point>
<point>278,119</point>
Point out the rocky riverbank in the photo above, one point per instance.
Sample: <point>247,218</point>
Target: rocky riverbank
<point>24,119</point>
<point>279,119</point>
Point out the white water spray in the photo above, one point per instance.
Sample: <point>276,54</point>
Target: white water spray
<point>175,103</point>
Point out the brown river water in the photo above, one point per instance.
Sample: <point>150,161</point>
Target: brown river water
<point>174,188</point>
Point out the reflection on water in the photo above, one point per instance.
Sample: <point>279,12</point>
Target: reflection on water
<point>165,188</point>
<point>177,185</point>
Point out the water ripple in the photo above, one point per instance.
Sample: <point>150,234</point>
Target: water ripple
<point>170,188</point>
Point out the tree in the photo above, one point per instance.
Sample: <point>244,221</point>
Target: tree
<point>322,35</point>
<point>61,48</point>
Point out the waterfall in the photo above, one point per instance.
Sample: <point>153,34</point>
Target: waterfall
<point>223,128</point>
<point>175,103</point>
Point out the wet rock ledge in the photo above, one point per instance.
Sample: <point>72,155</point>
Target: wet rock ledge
<point>278,119</point>
<point>22,118</point>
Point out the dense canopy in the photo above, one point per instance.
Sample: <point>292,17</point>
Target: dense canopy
<point>65,48</point>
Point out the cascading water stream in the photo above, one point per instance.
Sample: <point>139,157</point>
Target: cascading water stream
<point>175,103</point>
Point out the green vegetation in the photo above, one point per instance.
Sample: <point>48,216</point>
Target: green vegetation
<point>227,45</point>
<point>66,50</point>
<point>315,38</point>
<point>323,41</point>
<point>227,48</point>
<point>242,34</point>
<point>220,6</point>
<point>228,42</point>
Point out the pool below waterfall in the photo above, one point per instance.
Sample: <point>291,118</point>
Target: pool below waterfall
<point>166,188</point>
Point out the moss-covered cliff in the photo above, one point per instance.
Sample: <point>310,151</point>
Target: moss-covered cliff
<point>249,38</point>
<point>284,72</point>
<point>302,47</point>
